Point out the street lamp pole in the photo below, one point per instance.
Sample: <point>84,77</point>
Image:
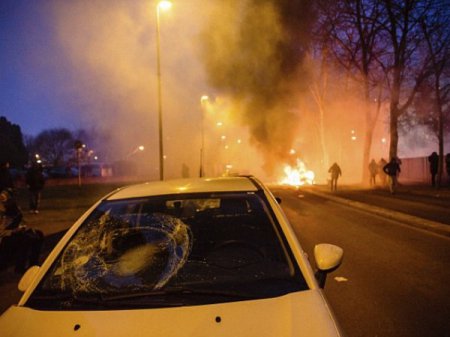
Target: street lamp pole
<point>203,99</point>
<point>160,5</point>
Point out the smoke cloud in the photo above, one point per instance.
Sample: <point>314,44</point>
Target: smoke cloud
<point>249,56</point>
<point>110,50</point>
<point>253,51</point>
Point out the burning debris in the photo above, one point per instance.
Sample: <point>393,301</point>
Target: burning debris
<point>297,175</point>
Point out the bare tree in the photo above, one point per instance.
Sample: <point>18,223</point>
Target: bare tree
<point>54,145</point>
<point>404,63</point>
<point>352,29</point>
<point>435,27</point>
<point>319,89</point>
<point>12,148</point>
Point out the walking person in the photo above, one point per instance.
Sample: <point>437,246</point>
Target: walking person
<point>392,169</point>
<point>35,181</point>
<point>383,176</point>
<point>335,171</point>
<point>447,166</point>
<point>373,170</point>
<point>433,159</point>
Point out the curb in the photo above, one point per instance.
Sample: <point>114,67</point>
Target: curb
<point>432,226</point>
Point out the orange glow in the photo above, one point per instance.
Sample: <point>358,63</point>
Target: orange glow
<point>298,175</point>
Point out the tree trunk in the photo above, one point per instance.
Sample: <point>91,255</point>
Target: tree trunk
<point>393,128</point>
<point>441,134</point>
<point>366,153</point>
<point>322,137</point>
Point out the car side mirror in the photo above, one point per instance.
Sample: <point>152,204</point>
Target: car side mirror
<point>28,278</point>
<point>328,258</point>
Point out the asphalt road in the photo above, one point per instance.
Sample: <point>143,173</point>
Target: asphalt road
<point>394,280</point>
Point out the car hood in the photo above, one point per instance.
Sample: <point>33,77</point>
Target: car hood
<point>304,313</point>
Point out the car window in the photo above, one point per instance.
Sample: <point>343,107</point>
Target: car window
<point>202,248</point>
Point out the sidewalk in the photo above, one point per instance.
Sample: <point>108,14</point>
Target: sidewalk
<point>416,205</point>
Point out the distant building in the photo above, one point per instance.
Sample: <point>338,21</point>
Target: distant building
<point>96,170</point>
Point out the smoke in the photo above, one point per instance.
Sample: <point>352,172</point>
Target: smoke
<point>110,50</point>
<point>253,51</point>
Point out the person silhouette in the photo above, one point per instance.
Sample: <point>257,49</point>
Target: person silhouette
<point>433,159</point>
<point>392,169</point>
<point>373,170</point>
<point>335,171</point>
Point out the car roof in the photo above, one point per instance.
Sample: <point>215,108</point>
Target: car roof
<point>185,186</point>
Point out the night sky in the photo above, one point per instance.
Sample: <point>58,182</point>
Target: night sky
<point>33,71</point>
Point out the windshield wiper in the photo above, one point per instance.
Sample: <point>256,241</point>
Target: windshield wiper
<point>181,292</point>
<point>69,296</point>
<point>94,301</point>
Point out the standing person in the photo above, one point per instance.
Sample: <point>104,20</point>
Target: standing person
<point>383,177</point>
<point>18,244</point>
<point>392,169</point>
<point>399,162</point>
<point>373,170</point>
<point>447,166</point>
<point>433,159</point>
<point>6,180</point>
<point>35,181</point>
<point>335,171</point>
<point>12,215</point>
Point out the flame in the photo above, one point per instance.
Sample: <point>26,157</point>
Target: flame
<point>298,175</point>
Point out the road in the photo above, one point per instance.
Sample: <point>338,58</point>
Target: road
<point>394,280</point>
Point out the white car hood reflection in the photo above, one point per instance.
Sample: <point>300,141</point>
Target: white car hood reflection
<point>299,314</point>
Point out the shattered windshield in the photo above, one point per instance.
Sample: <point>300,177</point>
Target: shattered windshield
<point>172,251</point>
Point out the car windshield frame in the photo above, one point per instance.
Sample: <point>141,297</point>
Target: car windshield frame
<point>172,250</point>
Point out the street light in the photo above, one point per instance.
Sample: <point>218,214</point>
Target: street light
<point>203,100</point>
<point>79,146</point>
<point>135,150</point>
<point>162,5</point>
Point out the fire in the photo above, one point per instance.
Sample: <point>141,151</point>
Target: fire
<point>298,175</point>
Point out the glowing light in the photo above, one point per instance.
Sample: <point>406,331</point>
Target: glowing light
<point>219,123</point>
<point>141,148</point>
<point>292,151</point>
<point>239,141</point>
<point>165,5</point>
<point>383,140</point>
<point>204,98</point>
<point>353,137</point>
<point>298,175</point>
<point>223,137</point>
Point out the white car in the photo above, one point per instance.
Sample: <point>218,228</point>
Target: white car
<point>193,257</point>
